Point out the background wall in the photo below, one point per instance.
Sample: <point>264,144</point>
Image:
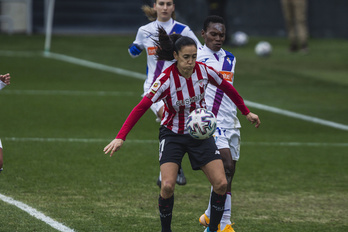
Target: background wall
<point>255,17</point>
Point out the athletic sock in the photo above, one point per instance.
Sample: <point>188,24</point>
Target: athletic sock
<point>166,208</point>
<point>217,209</point>
<point>226,217</point>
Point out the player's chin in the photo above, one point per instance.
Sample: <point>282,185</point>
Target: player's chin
<point>218,46</point>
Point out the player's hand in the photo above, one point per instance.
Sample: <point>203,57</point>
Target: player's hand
<point>113,146</point>
<point>5,78</point>
<point>253,118</point>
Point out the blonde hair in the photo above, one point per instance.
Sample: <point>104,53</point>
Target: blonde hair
<point>151,14</point>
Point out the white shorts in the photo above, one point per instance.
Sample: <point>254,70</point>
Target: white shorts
<point>228,138</point>
<point>155,107</point>
<point>0,144</point>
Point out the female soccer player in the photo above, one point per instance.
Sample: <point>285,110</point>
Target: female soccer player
<point>4,80</point>
<point>162,15</point>
<point>182,88</point>
<point>227,134</point>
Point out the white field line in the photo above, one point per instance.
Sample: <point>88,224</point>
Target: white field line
<point>69,93</point>
<point>94,65</point>
<point>120,71</point>
<point>297,115</point>
<point>95,140</point>
<point>33,212</point>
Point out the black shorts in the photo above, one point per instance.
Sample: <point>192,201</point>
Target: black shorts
<point>174,146</point>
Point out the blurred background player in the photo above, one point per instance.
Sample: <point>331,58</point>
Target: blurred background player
<point>4,80</point>
<point>162,15</point>
<point>295,15</point>
<point>191,78</point>
<point>227,134</point>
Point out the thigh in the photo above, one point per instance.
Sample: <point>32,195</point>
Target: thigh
<point>215,173</point>
<point>228,139</point>
<point>234,143</point>
<point>172,147</point>
<point>201,152</point>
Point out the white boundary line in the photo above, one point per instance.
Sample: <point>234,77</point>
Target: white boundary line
<point>95,140</point>
<point>90,64</point>
<point>297,115</point>
<point>33,212</point>
<point>141,76</point>
<point>137,75</point>
<point>70,92</point>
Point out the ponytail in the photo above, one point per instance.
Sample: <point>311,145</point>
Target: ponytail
<point>168,44</point>
<point>151,14</point>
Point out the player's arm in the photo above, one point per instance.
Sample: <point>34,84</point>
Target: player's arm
<point>131,120</point>
<point>134,50</point>
<point>232,93</point>
<point>137,46</point>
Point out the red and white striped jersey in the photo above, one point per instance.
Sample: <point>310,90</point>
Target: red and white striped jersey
<point>181,95</point>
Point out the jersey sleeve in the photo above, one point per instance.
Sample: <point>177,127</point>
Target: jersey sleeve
<point>134,117</point>
<point>2,85</point>
<point>216,79</point>
<point>137,46</point>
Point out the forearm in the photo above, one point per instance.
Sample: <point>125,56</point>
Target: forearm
<point>134,117</point>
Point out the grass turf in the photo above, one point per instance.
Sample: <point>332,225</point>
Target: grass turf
<point>292,174</point>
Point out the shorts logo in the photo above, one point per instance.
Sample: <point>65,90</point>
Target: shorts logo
<point>151,51</point>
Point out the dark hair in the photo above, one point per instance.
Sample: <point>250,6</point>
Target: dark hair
<point>168,44</point>
<point>212,19</point>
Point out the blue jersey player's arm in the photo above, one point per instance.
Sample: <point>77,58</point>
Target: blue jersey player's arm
<point>134,50</point>
<point>137,46</point>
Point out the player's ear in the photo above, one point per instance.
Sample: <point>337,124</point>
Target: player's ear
<point>202,33</point>
<point>175,55</point>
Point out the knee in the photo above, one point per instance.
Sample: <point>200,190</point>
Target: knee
<point>167,189</point>
<point>221,186</point>
<point>229,170</point>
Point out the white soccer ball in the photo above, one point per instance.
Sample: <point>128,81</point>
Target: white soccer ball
<point>239,38</point>
<point>263,48</point>
<point>201,123</point>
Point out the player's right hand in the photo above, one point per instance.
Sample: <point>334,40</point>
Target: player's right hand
<point>113,146</point>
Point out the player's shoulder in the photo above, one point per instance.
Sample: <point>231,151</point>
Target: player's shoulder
<point>229,54</point>
<point>147,27</point>
<point>179,23</point>
<point>181,26</point>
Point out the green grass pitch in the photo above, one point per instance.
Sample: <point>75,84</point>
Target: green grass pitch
<point>56,118</point>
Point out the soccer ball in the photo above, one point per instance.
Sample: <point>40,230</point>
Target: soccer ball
<point>239,38</point>
<point>201,123</point>
<point>263,48</point>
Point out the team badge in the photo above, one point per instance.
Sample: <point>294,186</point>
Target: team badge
<point>201,83</point>
<point>155,86</point>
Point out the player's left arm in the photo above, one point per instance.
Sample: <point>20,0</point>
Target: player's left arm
<point>215,78</point>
